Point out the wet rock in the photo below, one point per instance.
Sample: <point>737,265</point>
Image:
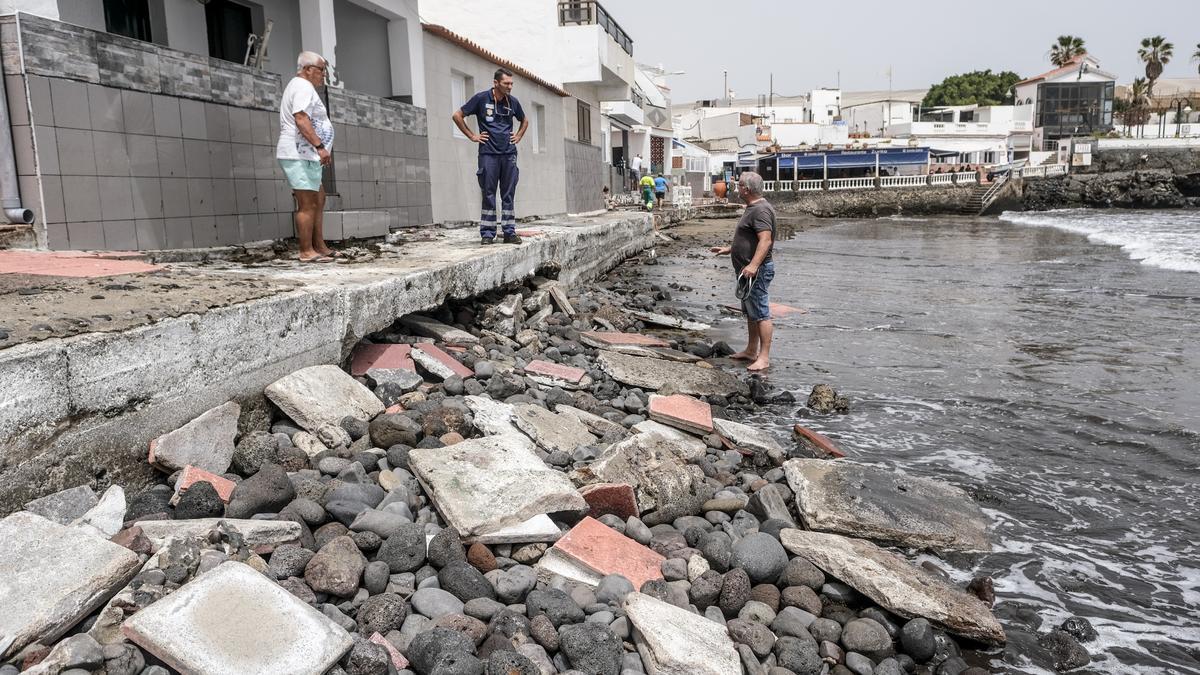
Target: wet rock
<point>1065,650</point>
<point>684,378</point>
<point>1079,628</point>
<point>336,568</point>
<point>823,399</point>
<point>984,589</point>
<point>916,639</point>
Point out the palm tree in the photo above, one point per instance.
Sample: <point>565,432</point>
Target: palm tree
<point>1065,49</point>
<point>1156,52</point>
<point>1138,111</point>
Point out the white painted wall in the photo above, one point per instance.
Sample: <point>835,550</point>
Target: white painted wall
<point>285,42</point>
<point>874,117</point>
<point>46,8</point>
<point>824,105</point>
<point>809,133</point>
<point>187,27</point>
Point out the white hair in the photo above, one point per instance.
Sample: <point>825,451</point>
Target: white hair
<point>308,59</point>
<point>752,182</point>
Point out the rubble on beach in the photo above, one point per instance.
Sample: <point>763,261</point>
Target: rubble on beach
<point>544,480</point>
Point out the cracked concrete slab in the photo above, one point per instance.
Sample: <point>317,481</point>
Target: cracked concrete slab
<point>683,378</point>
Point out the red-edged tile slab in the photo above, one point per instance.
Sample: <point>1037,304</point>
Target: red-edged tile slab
<point>392,357</point>
<point>682,412</point>
<point>612,338</point>
<point>446,360</point>
<point>556,370</point>
<point>818,440</point>
<point>604,499</point>
<point>606,551</point>
<point>192,475</point>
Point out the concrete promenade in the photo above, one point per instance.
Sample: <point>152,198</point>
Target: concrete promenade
<point>83,408</point>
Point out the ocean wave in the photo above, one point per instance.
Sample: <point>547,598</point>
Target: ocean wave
<point>1166,239</point>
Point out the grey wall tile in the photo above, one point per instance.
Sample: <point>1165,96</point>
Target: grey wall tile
<point>41,108</point>
<point>166,116</point>
<point>151,234</point>
<point>264,127</point>
<point>179,232</point>
<point>86,235</point>
<point>120,235</point>
<point>191,114</point>
<point>30,189</point>
<point>265,164</point>
<point>239,125</point>
<point>216,118</point>
<point>138,110</point>
<point>71,108</point>
<point>243,159</point>
<point>147,198</point>
<point>112,155</point>
<point>108,114</point>
<point>76,153</point>
<point>143,155</point>
<point>22,140</point>
<point>246,192</point>
<point>250,228</point>
<point>220,157</point>
<point>170,158</point>
<point>18,102</point>
<point>224,197</point>
<point>116,198</point>
<point>204,231</point>
<point>56,236</point>
<point>175,198</point>
<point>198,163</point>
<point>54,210</point>
<point>200,196</point>
<point>228,230</point>
<point>266,196</point>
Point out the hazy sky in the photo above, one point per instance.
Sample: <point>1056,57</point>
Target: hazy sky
<point>806,43</point>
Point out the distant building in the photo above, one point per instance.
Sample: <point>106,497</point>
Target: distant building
<point>1076,99</point>
<point>968,134</point>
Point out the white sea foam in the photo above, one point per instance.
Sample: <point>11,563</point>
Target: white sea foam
<point>1166,239</point>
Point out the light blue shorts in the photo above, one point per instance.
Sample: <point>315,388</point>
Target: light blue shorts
<point>302,174</point>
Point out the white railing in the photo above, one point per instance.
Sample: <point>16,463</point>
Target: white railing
<point>1056,170</point>
<point>902,181</point>
<point>851,183</point>
<point>964,177</point>
<point>681,195</point>
<point>941,179</point>
<point>768,186</point>
<point>1032,172</point>
<point>806,185</point>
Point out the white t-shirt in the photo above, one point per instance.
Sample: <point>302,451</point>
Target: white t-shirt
<point>301,96</point>
<point>636,164</point>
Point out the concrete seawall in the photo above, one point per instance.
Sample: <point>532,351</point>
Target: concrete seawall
<point>871,203</point>
<point>83,409</point>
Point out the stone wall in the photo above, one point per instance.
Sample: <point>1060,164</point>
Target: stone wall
<point>1154,189</point>
<point>1183,160</point>
<point>131,145</point>
<point>587,174</point>
<point>871,203</point>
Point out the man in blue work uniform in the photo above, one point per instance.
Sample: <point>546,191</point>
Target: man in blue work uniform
<point>494,111</point>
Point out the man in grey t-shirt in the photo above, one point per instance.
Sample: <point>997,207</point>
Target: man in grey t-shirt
<point>753,240</point>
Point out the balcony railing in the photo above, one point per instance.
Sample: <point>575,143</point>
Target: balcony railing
<point>589,13</point>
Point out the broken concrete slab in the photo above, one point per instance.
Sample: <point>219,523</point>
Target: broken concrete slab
<point>683,378</point>
<point>506,316</point>
<point>233,620</point>
<point>615,499</point>
<point>655,467</point>
<point>669,321</point>
<point>483,485</point>
<point>597,424</point>
<point>399,380</point>
<point>192,475</point>
<point>820,443</point>
<point>322,395</point>
<point>693,448</point>
<point>438,363</point>
<point>53,576</point>
<point>368,357</point>
<point>744,436</point>
<point>674,641</point>
<point>65,506</point>
<point>552,431</point>
<point>604,340</point>
<point>536,530</point>
<point>553,374</point>
<point>896,584</point>
<point>559,295</point>
<point>105,519</point>
<point>605,551</point>
<point>206,442</point>
<point>491,417</point>
<point>682,412</point>
<point>255,532</point>
<point>556,563</point>
<point>429,327</point>
<point>859,500</point>
<point>665,353</point>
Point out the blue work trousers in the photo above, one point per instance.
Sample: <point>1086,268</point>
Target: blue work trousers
<point>497,170</point>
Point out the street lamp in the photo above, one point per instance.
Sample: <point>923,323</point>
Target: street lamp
<point>1181,104</point>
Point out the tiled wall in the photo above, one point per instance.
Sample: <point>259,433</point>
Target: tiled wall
<point>586,177</point>
<point>130,145</point>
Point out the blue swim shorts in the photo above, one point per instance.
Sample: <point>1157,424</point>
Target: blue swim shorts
<point>757,305</point>
<point>302,174</point>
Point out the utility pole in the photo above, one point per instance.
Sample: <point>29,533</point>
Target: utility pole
<point>889,73</point>
<point>726,94</point>
<point>771,94</point>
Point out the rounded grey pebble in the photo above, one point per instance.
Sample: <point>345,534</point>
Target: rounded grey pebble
<point>916,639</point>
<point>761,556</point>
<point>376,577</point>
<point>825,630</point>
<point>482,608</point>
<point>613,589</point>
<point>859,664</point>
<point>636,530</point>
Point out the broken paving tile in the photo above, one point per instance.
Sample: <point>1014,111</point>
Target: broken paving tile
<point>683,378</point>
<point>206,442</point>
<point>394,654</point>
<point>193,474</point>
<point>597,424</point>
<point>233,620</point>
<point>615,499</point>
<point>744,436</point>
<point>382,357</point>
<point>820,442</point>
<point>656,468</point>
<point>107,516</point>
<point>668,321</point>
<point>429,327</point>
<point>65,506</point>
<point>556,563</point>
<point>896,584</point>
<point>552,431</point>
<point>605,551</point>
<point>693,448</point>
<point>555,374</point>
<point>683,412</point>
<point>674,640</point>
<point>537,529</point>
<point>254,532</point>
<point>559,295</point>
<point>320,395</point>
<point>439,363</point>
<point>482,485</point>
<point>869,502</point>
<point>54,576</point>
<point>491,417</point>
<point>601,340</point>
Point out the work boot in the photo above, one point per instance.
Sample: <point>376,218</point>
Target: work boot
<point>512,239</point>
<point>487,240</point>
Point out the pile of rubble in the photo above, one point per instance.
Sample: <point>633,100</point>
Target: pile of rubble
<point>526,484</point>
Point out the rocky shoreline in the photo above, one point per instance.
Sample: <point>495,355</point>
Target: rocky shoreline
<point>540,480</point>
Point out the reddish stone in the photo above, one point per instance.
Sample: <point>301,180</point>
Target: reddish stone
<point>556,371</point>
<point>451,438</point>
<point>192,474</point>
<point>394,654</point>
<point>606,551</point>
<point>394,408</point>
<point>389,357</point>
<point>616,499</point>
<point>611,338</point>
<point>70,264</point>
<point>530,233</point>
<point>822,443</point>
<point>683,412</point>
<point>132,539</point>
<point>481,558</point>
<point>447,360</point>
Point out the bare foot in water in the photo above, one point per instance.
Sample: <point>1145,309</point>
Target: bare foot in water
<point>743,356</point>
<point>758,365</point>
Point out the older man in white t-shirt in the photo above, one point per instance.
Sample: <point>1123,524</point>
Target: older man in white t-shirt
<point>305,139</point>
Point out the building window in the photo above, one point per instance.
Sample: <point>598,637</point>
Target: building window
<point>585,122</point>
<point>130,18</point>
<point>229,25</point>
<point>537,127</point>
<point>462,87</point>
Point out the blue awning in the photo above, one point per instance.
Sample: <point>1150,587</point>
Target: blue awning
<point>850,159</point>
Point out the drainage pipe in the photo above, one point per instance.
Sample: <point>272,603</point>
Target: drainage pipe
<point>10,190</point>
